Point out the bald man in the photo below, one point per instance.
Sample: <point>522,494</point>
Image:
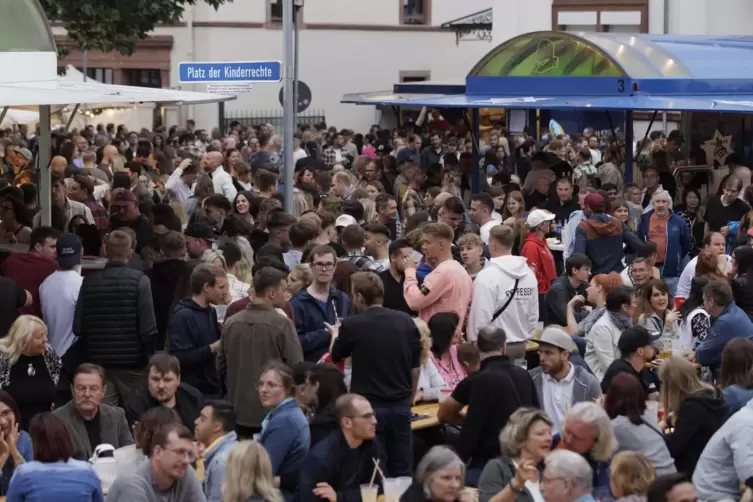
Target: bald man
<point>222,181</point>
<point>58,164</point>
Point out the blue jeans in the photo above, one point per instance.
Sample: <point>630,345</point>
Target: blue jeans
<point>396,438</point>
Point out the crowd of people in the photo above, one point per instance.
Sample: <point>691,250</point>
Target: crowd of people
<point>584,338</point>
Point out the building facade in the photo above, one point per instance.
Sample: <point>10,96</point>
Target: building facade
<point>349,46</point>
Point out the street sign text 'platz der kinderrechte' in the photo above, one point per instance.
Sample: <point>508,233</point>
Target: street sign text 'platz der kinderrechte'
<point>228,71</point>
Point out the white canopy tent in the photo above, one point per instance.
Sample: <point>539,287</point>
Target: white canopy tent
<point>28,46</point>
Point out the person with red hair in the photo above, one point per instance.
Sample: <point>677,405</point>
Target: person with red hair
<point>53,475</point>
<point>596,296</point>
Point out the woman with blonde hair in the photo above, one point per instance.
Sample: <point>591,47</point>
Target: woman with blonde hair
<point>300,277</point>
<point>631,474</point>
<point>430,382</point>
<point>29,367</point>
<point>515,207</point>
<point>694,409</point>
<point>369,210</point>
<point>248,475</point>
<point>514,476</point>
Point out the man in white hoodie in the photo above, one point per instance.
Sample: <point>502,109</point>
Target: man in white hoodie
<point>505,294</point>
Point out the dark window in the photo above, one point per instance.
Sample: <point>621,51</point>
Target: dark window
<point>143,78</point>
<point>414,12</point>
<point>103,75</point>
<point>275,11</point>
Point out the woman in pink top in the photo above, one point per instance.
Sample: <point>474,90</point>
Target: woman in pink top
<point>445,337</point>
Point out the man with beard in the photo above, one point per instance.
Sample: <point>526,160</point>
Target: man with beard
<point>164,388</point>
<point>559,383</point>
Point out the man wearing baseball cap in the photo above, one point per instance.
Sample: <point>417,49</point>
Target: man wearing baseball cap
<point>59,292</point>
<point>601,237</point>
<point>559,383</point>
<point>636,348</point>
<point>536,251</point>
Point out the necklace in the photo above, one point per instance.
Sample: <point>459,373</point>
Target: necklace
<point>30,370</point>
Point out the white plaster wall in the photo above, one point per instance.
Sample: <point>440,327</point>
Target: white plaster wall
<point>249,11</point>
<point>363,61</point>
<point>513,18</point>
<point>375,12</point>
<point>443,11</point>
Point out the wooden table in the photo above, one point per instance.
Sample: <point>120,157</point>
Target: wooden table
<point>380,498</point>
<point>428,409</point>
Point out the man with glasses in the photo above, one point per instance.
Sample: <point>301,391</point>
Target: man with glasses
<point>89,421</point>
<point>319,304</point>
<point>165,475</point>
<point>337,466</point>
<point>566,478</point>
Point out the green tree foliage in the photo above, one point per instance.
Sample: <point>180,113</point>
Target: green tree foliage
<point>116,25</point>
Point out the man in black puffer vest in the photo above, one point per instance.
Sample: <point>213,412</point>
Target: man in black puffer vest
<point>115,320</point>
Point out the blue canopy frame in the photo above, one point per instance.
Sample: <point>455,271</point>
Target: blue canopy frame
<point>596,71</point>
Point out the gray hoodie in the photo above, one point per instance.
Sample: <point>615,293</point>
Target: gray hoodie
<point>727,459</point>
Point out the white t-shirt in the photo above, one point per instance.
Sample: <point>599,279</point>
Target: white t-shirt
<point>534,488</point>
<point>558,398</point>
<point>485,229</point>
<point>686,278</point>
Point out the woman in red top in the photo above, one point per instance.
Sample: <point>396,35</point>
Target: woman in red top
<point>536,251</point>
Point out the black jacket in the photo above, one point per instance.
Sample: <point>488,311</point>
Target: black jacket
<point>115,317</point>
<point>742,289</point>
<point>492,394</point>
<point>699,417</point>
<point>188,405</point>
<point>334,462</point>
<point>556,299</point>
<point>322,424</point>
<point>165,277</point>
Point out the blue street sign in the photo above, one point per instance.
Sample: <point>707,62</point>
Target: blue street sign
<point>229,71</point>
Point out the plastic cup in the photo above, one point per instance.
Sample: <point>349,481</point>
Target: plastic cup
<point>369,493</point>
<point>404,483</point>
<point>652,412</point>
<point>391,488</point>
<point>444,394</point>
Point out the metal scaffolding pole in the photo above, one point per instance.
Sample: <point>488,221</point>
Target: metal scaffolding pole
<point>288,11</point>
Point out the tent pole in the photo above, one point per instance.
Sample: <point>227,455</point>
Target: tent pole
<point>614,133</point>
<point>650,124</point>
<point>45,142</point>
<point>475,167</point>
<point>629,145</point>
<point>73,115</point>
<point>3,113</point>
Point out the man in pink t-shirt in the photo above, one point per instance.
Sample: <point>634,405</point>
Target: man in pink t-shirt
<point>448,288</point>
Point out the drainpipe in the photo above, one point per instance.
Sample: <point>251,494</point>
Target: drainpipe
<point>189,25</point>
<point>666,32</point>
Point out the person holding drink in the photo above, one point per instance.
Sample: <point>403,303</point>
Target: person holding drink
<point>515,476</point>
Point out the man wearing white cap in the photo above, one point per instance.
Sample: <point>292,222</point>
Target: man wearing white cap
<point>536,251</point>
<point>559,383</point>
